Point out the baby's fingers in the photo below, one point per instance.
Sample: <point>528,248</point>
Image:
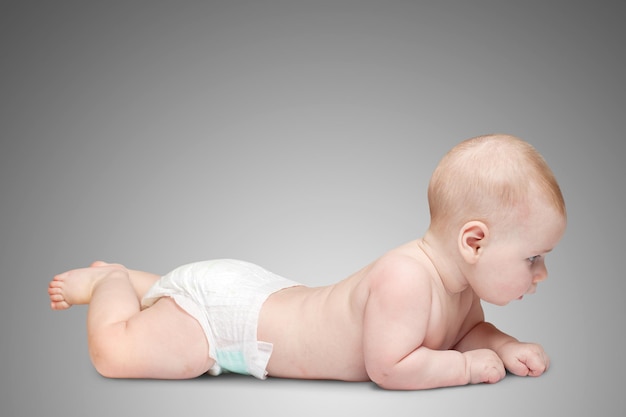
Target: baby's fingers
<point>532,361</point>
<point>538,364</point>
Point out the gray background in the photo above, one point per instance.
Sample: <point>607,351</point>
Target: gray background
<point>300,136</point>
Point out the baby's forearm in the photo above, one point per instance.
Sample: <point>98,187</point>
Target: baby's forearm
<point>423,369</point>
<point>483,336</point>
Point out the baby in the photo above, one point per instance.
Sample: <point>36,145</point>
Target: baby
<point>412,319</point>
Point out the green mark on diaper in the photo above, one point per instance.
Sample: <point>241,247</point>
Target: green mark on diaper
<point>232,361</point>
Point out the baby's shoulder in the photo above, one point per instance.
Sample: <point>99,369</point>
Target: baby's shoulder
<point>398,269</point>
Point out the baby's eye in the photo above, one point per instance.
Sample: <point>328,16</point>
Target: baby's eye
<point>532,259</point>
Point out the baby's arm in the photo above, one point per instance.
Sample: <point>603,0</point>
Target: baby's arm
<point>519,358</point>
<point>395,326</point>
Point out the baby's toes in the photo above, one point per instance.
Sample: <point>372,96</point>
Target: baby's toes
<point>59,305</point>
<point>54,288</point>
<point>57,297</point>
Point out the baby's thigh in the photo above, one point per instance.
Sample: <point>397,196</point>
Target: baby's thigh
<point>167,343</point>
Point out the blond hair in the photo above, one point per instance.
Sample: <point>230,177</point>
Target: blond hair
<point>489,178</point>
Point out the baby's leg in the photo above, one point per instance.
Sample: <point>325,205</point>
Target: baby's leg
<point>142,281</point>
<point>162,341</point>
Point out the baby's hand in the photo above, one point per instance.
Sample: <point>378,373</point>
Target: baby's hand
<point>484,365</point>
<point>524,359</point>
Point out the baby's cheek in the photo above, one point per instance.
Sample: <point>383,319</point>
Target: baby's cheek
<point>507,293</point>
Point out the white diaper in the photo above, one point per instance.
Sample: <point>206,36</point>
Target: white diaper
<point>225,296</point>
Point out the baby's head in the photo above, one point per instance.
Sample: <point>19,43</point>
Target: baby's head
<point>495,179</point>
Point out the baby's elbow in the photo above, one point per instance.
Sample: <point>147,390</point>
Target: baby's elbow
<point>382,376</point>
<point>384,382</point>
<point>388,381</point>
<point>396,376</point>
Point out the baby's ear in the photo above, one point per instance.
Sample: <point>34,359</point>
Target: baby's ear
<point>471,240</point>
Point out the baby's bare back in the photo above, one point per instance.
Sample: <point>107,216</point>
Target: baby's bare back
<point>318,332</point>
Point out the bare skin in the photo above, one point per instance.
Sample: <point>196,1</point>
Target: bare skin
<point>338,328</point>
<point>125,342</point>
<point>410,320</point>
<point>406,321</point>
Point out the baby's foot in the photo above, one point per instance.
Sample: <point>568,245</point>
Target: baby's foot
<point>75,286</point>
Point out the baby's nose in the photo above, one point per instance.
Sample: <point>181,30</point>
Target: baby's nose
<point>540,275</point>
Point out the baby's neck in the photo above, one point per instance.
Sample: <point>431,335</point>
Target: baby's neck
<point>445,260</point>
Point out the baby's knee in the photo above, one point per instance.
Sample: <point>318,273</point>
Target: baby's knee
<point>104,350</point>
